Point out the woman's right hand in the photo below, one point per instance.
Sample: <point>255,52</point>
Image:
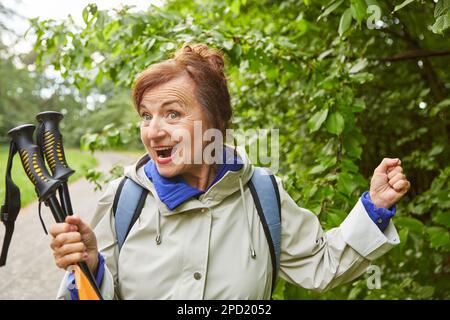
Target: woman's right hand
<point>73,242</point>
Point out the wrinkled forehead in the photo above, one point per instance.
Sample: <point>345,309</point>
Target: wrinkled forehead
<point>181,88</point>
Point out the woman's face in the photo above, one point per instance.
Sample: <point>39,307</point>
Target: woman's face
<point>169,114</point>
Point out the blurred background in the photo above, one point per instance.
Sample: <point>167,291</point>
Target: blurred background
<point>347,83</point>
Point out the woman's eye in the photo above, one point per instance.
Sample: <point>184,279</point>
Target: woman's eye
<point>147,117</point>
<point>173,115</point>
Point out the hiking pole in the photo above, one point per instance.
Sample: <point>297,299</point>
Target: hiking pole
<point>49,139</point>
<point>46,186</point>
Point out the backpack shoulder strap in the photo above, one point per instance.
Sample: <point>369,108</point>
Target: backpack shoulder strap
<point>127,207</point>
<point>266,196</point>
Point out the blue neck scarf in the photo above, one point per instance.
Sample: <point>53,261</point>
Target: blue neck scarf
<point>174,191</point>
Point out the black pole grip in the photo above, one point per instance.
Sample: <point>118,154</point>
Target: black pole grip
<point>50,139</point>
<point>32,161</point>
<point>55,208</point>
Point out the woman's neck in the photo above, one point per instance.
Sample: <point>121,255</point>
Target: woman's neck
<point>202,177</point>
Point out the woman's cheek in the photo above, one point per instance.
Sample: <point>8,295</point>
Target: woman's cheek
<point>144,139</point>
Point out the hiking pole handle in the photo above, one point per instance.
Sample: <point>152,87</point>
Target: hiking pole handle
<point>50,140</point>
<point>33,164</point>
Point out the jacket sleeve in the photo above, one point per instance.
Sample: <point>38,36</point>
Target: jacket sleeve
<point>104,229</point>
<point>318,260</point>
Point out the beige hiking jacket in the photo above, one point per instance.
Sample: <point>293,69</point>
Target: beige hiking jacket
<point>206,244</point>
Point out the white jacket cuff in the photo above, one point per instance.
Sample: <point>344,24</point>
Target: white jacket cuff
<point>364,236</point>
<point>106,288</point>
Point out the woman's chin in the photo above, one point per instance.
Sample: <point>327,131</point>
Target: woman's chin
<point>166,172</point>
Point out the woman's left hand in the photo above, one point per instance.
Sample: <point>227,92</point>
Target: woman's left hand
<point>388,183</point>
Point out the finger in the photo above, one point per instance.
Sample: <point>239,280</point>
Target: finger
<point>399,186</point>
<point>70,248</point>
<point>70,259</point>
<point>68,237</point>
<point>393,171</point>
<point>58,228</point>
<point>398,165</point>
<point>406,188</point>
<point>385,164</point>
<point>396,178</point>
<point>83,227</point>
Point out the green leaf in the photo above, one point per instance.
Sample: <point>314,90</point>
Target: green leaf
<point>441,8</point>
<point>436,150</point>
<point>411,224</point>
<point>228,44</point>
<point>362,77</point>
<point>403,234</point>
<point>359,105</point>
<point>236,53</point>
<point>235,6</point>
<point>334,219</point>
<point>358,66</point>
<point>403,4</point>
<point>352,146</point>
<point>333,6</point>
<point>346,183</point>
<point>88,141</point>
<point>85,15</point>
<point>335,123</point>
<point>315,122</point>
<point>346,20</point>
<point>443,218</point>
<point>444,103</point>
<point>441,24</point>
<point>348,165</point>
<point>439,237</point>
<point>317,169</point>
<point>358,9</point>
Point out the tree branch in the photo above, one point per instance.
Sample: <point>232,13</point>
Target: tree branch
<point>415,54</point>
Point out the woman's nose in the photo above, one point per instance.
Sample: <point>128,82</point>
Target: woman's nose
<point>155,130</point>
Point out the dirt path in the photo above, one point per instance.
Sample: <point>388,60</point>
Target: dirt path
<point>30,272</point>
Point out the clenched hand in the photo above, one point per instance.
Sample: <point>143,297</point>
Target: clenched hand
<point>388,183</point>
<point>73,242</point>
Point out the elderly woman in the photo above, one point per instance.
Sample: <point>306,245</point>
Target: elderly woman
<point>199,234</point>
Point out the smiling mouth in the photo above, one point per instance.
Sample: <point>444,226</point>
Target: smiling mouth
<point>163,152</point>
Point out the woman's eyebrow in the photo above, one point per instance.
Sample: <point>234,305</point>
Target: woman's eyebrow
<point>165,104</point>
<point>169,102</point>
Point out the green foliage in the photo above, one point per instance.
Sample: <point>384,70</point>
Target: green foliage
<point>442,15</point>
<point>23,94</point>
<point>346,83</point>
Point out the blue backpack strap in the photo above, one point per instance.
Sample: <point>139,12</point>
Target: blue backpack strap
<point>266,196</point>
<point>127,206</point>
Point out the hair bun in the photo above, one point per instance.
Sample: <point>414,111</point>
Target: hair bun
<point>213,56</point>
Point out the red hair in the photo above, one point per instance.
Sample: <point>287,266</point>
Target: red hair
<point>204,66</point>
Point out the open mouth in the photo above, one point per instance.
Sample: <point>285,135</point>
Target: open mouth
<point>163,152</point>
